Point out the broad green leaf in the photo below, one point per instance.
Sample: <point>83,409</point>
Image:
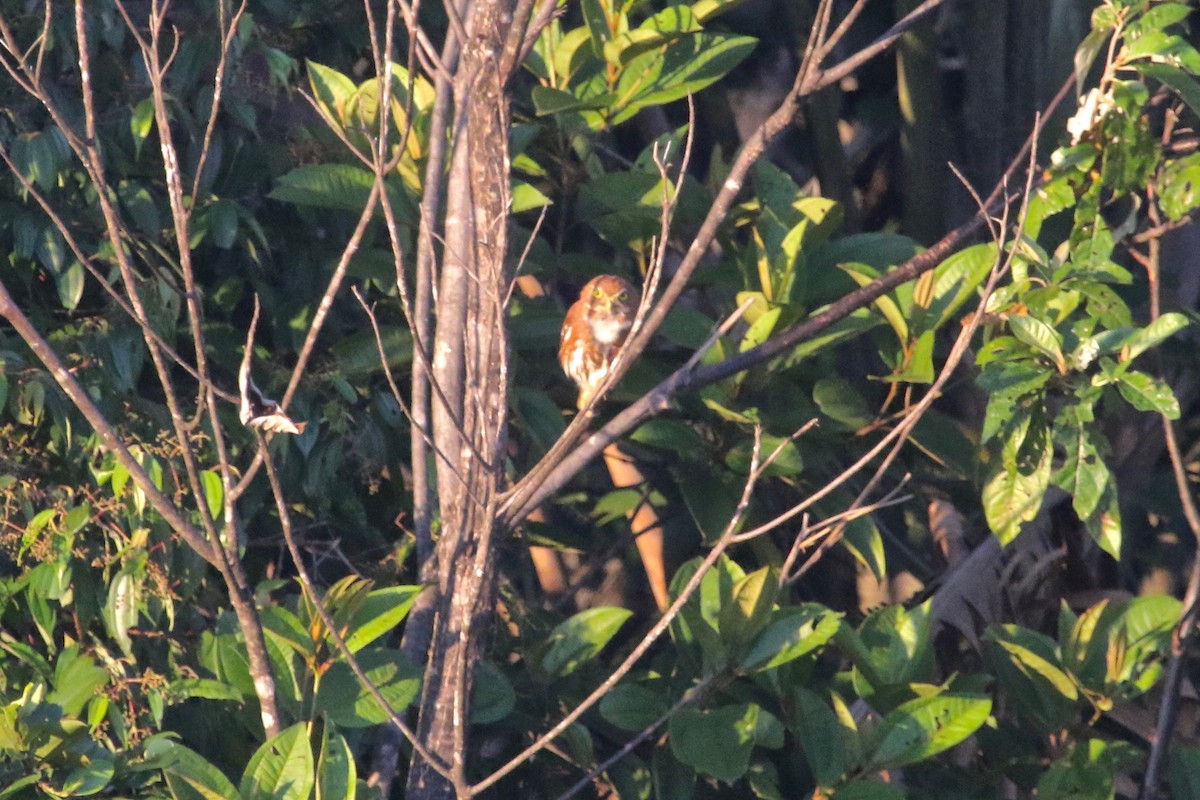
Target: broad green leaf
<point>670,23</point>
<point>1148,394</point>
<point>926,726</point>
<point>222,220</point>
<point>1179,186</point>
<point>1083,474</point>
<point>918,366</point>
<point>684,66</point>
<point>707,9</point>
<point>1157,331</point>
<point>77,517</point>
<point>493,697</point>
<point>1040,336</point>
<point>957,278</point>
<point>793,632</point>
<point>830,747</point>
<point>749,609</point>
<point>1105,527</point>
<point>380,612</point>
<point>867,789</point>
<point>282,769</point>
<point>284,626</point>
<point>581,638</point>
<point>716,742</point>
<point>340,187</point>
<point>337,774</point>
<point>1013,495</point>
<point>1027,664</point>
<point>865,542</point>
<point>140,122</point>
<point>1185,772</point>
<point>350,705</point>
<point>77,679</point>
<point>1150,616</point>
<point>331,89</point>
<point>1183,84</point>
<point>91,778</point>
<point>673,435</point>
<point>188,774</point>
<point>632,707</point>
<point>121,610</point>
<point>841,400</point>
<point>214,493</point>
<point>186,688</point>
<point>526,197</point>
<point>595,16</point>
<point>864,275</point>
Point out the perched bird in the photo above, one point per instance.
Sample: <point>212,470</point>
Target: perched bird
<point>594,330</point>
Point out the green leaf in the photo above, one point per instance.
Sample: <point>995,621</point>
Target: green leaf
<point>283,625</point>
<point>957,278</point>
<point>716,742</point>
<point>380,612</point>
<point>918,366</point>
<point>841,400</point>
<point>1086,54</point>
<point>867,789</point>
<point>282,769</point>
<point>670,434</point>
<point>1183,84</point>
<point>337,774</point>
<point>831,748</point>
<point>1179,186</point>
<point>1083,474</point>
<point>188,774</point>
<point>526,197</point>
<point>340,187</point>
<point>582,637</point>
<point>1028,667</point>
<point>331,89</point>
<point>632,708</point>
<point>749,608</point>
<point>864,275</point>
<point>77,679</point>
<point>596,19</point>
<point>1013,495</point>
<point>685,66</point>
<point>121,610</point>
<point>186,688</point>
<point>1148,394</point>
<point>1157,331</point>
<point>214,493</point>
<point>865,542</point>
<point>140,123</point>
<point>223,223</point>
<point>1185,772</point>
<point>793,632</point>
<point>350,705</point>
<point>1040,336</point>
<point>493,697</point>
<point>926,726</point>
<point>89,779</point>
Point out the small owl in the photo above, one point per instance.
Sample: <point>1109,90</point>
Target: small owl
<point>594,330</point>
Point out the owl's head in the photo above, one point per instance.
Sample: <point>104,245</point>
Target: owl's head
<point>609,305</point>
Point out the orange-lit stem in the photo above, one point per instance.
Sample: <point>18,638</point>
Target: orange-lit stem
<point>643,522</point>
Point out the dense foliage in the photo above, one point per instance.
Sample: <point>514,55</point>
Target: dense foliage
<point>994,390</point>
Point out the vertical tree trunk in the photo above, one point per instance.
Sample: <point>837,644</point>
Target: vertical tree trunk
<point>470,366</point>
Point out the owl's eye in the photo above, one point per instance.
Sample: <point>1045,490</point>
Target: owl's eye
<point>597,293</point>
<point>622,297</point>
